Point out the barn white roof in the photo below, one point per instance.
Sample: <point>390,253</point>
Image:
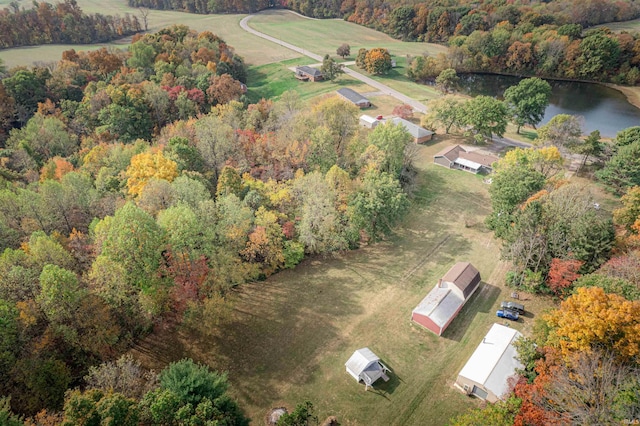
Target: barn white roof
<point>440,305</point>
<point>468,163</point>
<point>494,360</point>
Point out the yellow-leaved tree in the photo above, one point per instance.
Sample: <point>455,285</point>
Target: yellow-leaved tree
<point>593,319</point>
<point>147,166</point>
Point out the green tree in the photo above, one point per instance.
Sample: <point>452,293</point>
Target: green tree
<point>27,88</point>
<point>447,80</point>
<point>142,56</point>
<point>190,393</point>
<point>44,138</point>
<point>95,407</point>
<point>331,69</point>
<point>362,54</point>
<point>9,340</point>
<point>302,415</point>
<point>230,182</point>
<point>378,204</point>
<point>627,136</point>
<point>486,116</point>
<point>502,413</point>
<point>528,100</point>
<point>132,238</point>
<point>401,22</point>
<point>609,284</point>
<point>563,131</point>
<point>393,140</point>
<point>591,241</point>
<point>591,147</point>
<point>623,170</point>
<point>448,111</point>
<point>599,55</point>
<point>7,418</point>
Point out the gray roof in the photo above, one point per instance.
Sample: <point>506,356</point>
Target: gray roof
<point>363,360</point>
<point>472,159</point>
<point>308,70</point>
<point>494,360</point>
<point>352,95</point>
<point>415,130</point>
<point>439,305</point>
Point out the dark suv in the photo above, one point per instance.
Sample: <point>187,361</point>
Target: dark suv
<point>513,306</point>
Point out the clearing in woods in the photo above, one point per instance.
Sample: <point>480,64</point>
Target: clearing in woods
<point>288,337</point>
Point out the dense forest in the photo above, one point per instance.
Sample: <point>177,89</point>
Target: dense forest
<point>62,23</point>
<point>140,187</point>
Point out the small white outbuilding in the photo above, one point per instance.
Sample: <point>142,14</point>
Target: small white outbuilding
<point>365,366</point>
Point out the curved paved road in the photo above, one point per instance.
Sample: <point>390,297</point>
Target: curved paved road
<point>418,106</point>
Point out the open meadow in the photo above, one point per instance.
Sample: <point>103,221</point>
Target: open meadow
<point>288,337</point>
<point>324,36</point>
<point>254,50</point>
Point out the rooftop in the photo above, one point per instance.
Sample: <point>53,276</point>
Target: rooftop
<point>352,95</point>
<point>493,361</point>
<point>439,305</point>
<point>308,70</point>
<point>360,360</point>
<point>415,130</point>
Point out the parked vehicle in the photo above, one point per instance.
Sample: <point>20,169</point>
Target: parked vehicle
<point>505,313</point>
<point>513,306</point>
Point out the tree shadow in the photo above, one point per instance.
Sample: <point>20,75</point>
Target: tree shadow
<point>482,300</point>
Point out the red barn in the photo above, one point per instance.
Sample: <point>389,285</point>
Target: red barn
<point>438,309</point>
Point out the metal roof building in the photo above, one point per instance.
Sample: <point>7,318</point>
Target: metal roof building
<point>487,372</point>
<point>439,308</point>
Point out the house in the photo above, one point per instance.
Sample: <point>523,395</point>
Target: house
<point>487,372</point>
<point>456,157</point>
<point>365,366</point>
<point>354,97</point>
<point>308,73</point>
<point>370,122</point>
<point>419,134</point>
<point>439,308</point>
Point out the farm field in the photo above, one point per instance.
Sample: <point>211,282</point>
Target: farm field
<point>288,337</point>
<point>633,25</point>
<point>324,36</point>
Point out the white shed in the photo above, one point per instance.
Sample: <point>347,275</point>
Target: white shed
<point>365,366</point>
<point>486,374</point>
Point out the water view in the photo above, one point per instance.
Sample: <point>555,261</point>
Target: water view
<point>603,108</point>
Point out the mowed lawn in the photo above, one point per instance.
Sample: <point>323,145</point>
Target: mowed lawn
<point>323,36</point>
<point>289,336</point>
<point>254,50</point>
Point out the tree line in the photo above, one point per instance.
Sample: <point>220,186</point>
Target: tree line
<point>205,7</point>
<point>62,23</point>
<point>140,187</point>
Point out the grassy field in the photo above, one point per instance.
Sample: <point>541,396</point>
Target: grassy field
<point>255,50</point>
<point>324,36</point>
<point>633,25</point>
<point>289,336</point>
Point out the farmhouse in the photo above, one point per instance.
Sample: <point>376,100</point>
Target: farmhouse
<point>308,73</point>
<point>420,135</point>
<point>486,373</point>
<point>365,366</point>
<point>438,309</point>
<point>370,122</point>
<point>354,97</point>
<point>456,157</point>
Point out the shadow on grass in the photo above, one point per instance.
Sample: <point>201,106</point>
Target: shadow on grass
<point>482,301</point>
<point>282,326</point>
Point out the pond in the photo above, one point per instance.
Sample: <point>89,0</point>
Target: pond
<point>603,108</point>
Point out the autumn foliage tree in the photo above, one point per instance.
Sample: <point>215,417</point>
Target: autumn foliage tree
<point>562,273</point>
<point>146,166</point>
<point>377,61</point>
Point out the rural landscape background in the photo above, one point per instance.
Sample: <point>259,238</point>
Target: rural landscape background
<point>260,231</point>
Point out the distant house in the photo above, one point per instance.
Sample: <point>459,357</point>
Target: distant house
<point>419,134</point>
<point>365,366</point>
<point>354,97</point>
<point>308,73</point>
<point>456,157</point>
<point>370,122</point>
<point>487,372</point>
<point>439,308</point>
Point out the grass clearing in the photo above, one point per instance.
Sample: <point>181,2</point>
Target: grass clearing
<point>256,51</point>
<point>618,27</point>
<point>326,35</point>
<point>290,335</point>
